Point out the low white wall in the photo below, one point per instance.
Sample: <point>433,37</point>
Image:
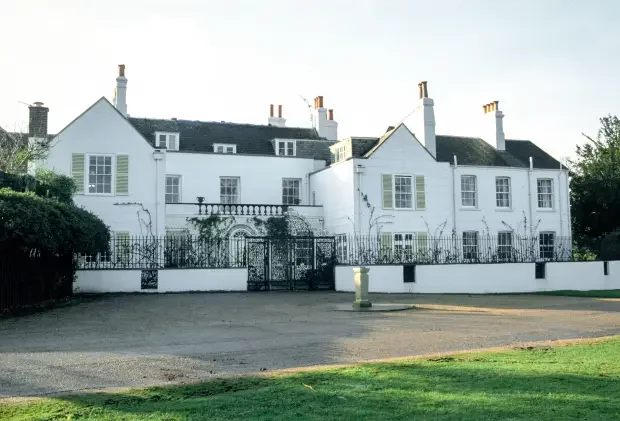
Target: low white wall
<point>168,280</point>
<point>486,278</point>
<point>177,280</point>
<point>382,278</point>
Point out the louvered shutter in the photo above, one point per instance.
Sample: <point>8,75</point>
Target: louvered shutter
<point>387,191</point>
<point>422,245</point>
<point>77,172</point>
<point>386,245</point>
<point>420,192</point>
<point>121,247</point>
<point>122,174</point>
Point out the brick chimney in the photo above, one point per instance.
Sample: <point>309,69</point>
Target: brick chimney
<point>277,121</point>
<point>37,121</point>
<point>494,125</point>
<point>323,120</point>
<point>120,93</point>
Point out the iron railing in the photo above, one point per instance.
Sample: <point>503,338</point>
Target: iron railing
<point>30,277</point>
<point>421,249</point>
<point>175,251</point>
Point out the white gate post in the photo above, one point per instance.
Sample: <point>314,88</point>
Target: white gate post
<point>360,279</point>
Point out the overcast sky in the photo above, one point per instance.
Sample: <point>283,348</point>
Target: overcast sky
<point>554,65</point>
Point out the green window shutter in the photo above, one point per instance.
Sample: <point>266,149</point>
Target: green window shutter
<point>422,245</point>
<point>387,191</point>
<point>386,245</point>
<point>122,174</point>
<point>121,246</point>
<point>420,192</point>
<point>77,172</point>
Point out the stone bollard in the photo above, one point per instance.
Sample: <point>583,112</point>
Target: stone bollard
<point>360,279</point>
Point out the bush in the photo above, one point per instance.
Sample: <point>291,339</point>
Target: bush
<point>54,186</point>
<point>610,247</point>
<point>27,220</point>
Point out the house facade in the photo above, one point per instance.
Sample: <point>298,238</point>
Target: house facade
<point>147,176</point>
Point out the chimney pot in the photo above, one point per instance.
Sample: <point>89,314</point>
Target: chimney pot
<point>121,70</point>
<point>320,100</point>
<point>280,111</point>
<point>330,114</point>
<point>496,105</point>
<point>270,110</point>
<point>174,118</point>
<point>424,89</point>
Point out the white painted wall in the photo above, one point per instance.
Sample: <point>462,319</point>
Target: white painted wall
<point>260,176</point>
<point>178,280</point>
<point>486,278</point>
<point>334,190</point>
<point>169,280</point>
<point>102,130</point>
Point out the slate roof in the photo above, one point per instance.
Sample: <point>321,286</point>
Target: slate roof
<point>252,139</point>
<point>523,149</point>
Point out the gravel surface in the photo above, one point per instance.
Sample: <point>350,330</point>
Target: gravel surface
<point>138,340</point>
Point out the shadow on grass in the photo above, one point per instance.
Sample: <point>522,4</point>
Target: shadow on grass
<point>516,385</point>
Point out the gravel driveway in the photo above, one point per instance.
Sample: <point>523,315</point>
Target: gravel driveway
<point>135,340</point>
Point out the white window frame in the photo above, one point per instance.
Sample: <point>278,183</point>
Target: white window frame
<point>549,246</point>
<point>226,148</point>
<point>340,152</point>
<point>342,247</point>
<point>505,249</point>
<point>167,134</point>
<point>166,188</point>
<point>87,174</point>
<point>238,196</point>
<point>286,144</point>
<point>299,191</point>
<point>403,245</point>
<point>501,196</point>
<point>540,196</point>
<point>474,191</point>
<point>470,249</point>
<point>411,193</point>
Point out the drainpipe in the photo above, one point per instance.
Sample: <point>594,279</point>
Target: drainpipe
<point>529,192</point>
<point>568,214</point>
<point>359,170</point>
<point>158,156</point>
<point>560,200</point>
<point>454,194</point>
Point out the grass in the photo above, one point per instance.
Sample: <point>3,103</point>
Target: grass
<point>579,382</point>
<point>612,293</point>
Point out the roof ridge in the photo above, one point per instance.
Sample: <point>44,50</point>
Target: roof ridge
<point>219,122</point>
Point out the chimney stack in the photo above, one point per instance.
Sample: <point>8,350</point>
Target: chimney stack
<point>37,121</point>
<point>425,119</point>
<point>495,125</point>
<point>278,121</point>
<point>120,93</point>
<point>323,120</point>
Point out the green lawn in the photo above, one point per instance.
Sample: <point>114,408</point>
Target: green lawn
<point>580,382</point>
<point>612,293</point>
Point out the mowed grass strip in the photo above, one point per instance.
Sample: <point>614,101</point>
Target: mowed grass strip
<point>612,293</point>
<point>580,382</point>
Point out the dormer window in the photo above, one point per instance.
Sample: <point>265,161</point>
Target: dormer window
<point>285,148</point>
<point>224,148</point>
<point>341,151</point>
<point>169,140</point>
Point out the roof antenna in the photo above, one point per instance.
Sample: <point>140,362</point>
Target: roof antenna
<point>309,109</point>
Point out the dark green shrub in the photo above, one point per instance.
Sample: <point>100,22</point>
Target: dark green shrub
<point>54,186</point>
<point>610,247</point>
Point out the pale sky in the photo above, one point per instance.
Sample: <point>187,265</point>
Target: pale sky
<point>554,65</point>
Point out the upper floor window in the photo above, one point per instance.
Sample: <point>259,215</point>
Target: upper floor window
<point>285,147</point>
<point>291,189</point>
<point>100,174</point>
<point>545,193</point>
<point>224,148</point>
<point>468,191</point>
<point>173,189</point>
<point>229,190</point>
<point>398,191</point>
<point>502,192</point>
<point>339,153</point>
<point>169,140</point>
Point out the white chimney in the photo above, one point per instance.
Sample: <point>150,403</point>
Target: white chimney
<point>120,93</point>
<point>495,124</point>
<point>278,121</point>
<point>426,119</point>
<point>324,120</point>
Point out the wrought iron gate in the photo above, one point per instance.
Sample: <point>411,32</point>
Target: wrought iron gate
<point>290,263</point>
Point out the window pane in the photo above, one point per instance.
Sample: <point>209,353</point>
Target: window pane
<point>468,190</point>
<point>403,192</point>
<point>470,245</point>
<point>546,244</point>
<point>100,174</point>
<point>291,191</point>
<point>229,190</point>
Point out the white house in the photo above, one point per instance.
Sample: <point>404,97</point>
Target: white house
<point>148,176</point>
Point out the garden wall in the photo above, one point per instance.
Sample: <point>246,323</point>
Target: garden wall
<point>162,280</point>
<point>486,278</point>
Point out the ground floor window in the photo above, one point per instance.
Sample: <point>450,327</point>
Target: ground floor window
<point>504,245</point>
<point>470,245</point>
<point>342,248</point>
<point>546,244</point>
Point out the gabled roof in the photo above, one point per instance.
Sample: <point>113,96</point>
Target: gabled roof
<point>524,149</point>
<point>252,139</point>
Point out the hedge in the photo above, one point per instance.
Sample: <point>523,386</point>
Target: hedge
<point>30,221</point>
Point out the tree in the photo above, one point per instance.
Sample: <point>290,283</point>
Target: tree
<point>16,151</point>
<point>595,184</point>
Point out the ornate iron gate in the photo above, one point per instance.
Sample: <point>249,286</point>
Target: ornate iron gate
<point>290,263</point>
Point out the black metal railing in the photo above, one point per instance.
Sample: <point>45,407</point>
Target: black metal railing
<point>30,277</point>
<point>175,251</point>
<point>421,249</point>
